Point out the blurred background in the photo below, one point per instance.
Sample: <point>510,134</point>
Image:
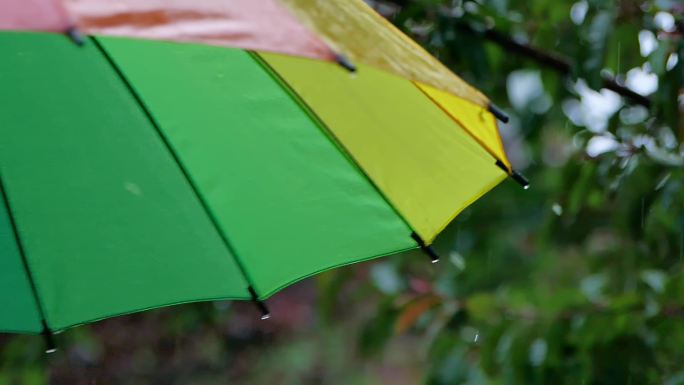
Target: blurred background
<point>577,280</point>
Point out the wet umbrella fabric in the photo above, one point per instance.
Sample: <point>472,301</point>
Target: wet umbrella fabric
<point>171,152</point>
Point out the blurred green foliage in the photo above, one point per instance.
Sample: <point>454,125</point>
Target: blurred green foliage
<point>578,280</point>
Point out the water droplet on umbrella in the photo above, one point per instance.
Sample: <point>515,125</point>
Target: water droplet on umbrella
<point>133,188</point>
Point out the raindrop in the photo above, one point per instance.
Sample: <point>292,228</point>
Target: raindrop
<point>557,209</point>
<point>477,336</point>
<point>663,181</point>
<point>133,188</point>
<point>457,259</point>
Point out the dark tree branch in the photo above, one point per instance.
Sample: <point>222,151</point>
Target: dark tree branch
<point>548,59</point>
<point>634,96</point>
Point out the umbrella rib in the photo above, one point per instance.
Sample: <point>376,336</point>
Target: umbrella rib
<point>205,206</point>
<point>340,146</point>
<point>459,123</point>
<point>47,333</point>
<point>322,126</point>
<point>496,111</point>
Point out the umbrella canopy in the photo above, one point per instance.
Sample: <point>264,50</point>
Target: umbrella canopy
<point>280,139</point>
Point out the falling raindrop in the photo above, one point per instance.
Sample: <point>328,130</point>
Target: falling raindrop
<point>663,181</point>
<point>477,336</point>
<point>457,259</point>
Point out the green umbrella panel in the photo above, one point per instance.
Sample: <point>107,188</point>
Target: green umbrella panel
<point>138,173</point>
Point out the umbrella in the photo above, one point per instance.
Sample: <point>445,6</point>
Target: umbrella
<point>162,152</point>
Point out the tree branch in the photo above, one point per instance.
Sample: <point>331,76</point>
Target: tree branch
<point>548,59</point>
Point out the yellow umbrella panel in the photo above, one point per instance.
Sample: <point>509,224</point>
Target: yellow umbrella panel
<point>424,162</point>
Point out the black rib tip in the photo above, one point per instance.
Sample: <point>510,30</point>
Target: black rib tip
<point>498,113</point>
<point>516,176</point>
<point>265,313</point>
<point>434,258</point>
<point>520,179</point>
<point>345,63</point>
<point>50,346</point>
<point>502,166</point>
<point>76,36</point>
